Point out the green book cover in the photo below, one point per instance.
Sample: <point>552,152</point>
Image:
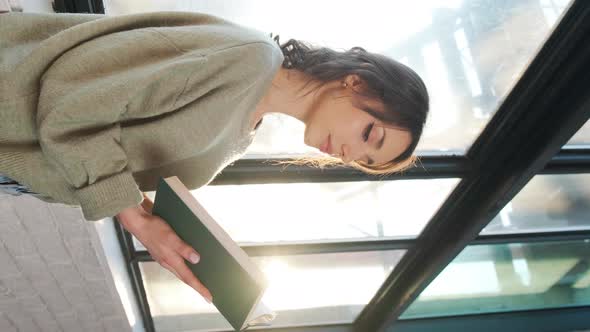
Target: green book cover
<point>235,282</point>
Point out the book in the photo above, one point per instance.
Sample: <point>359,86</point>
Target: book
<point>235,282</point>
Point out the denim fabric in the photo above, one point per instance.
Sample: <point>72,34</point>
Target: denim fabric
<point>12,187</point>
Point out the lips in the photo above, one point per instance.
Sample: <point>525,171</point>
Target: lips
<point>326,146</point>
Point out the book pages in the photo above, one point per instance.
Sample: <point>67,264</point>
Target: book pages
<point>263,316</point>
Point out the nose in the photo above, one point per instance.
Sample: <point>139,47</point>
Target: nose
<point>348,154</point>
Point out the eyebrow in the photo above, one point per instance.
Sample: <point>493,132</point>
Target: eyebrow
<point>379,146</point>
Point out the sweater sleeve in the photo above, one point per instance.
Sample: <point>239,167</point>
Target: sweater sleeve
<point>83,96</point>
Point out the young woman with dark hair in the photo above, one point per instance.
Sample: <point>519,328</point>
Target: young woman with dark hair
<point>94,109</point>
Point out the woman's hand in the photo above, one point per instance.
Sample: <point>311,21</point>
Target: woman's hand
<point>162,243</point>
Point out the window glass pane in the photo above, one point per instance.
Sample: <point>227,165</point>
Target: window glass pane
<point>582,138</point>
<point>509,277</point>
<point>324,211</point>
<point>469,53</point>
<point>303,290</point>
<point>546,203</point>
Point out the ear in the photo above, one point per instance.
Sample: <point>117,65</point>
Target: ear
<point>353,80</point>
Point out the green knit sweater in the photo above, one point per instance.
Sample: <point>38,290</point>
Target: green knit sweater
<point>94,108</point>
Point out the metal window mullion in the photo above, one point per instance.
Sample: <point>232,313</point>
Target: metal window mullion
<point>533,237</point>
<point>254,250</point>
<point>135,275</point>
<point>264,171</point>
<point>569,161</point>
<point>312,248</point>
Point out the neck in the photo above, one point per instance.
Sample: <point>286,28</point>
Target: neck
<point>286,96</point>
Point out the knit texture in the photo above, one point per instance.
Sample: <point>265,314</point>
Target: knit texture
<point>94,108</point>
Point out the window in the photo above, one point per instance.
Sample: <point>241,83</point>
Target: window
<point>547,203</point>
<point>370,210</point>
<point>509,277</point>
<point>582,138</point>
<point>303,289</point>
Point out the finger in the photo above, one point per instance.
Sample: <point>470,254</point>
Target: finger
<point>206,295</point>
<point>147,203</point>
<point>184,250</point>
<point>187,276</point>
<point>169,268</point>
<point>188,253</point>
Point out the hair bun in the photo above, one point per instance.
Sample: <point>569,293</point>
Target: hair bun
<point>293,52</point>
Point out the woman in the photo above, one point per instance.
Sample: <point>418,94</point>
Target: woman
<point>96,108</point>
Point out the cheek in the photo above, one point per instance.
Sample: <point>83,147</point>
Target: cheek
<point>330,115</point>
<point>312,129</point>
<point>352,122</point>
<point>319,118</point>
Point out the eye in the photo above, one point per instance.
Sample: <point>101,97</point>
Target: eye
<point>367,131</point>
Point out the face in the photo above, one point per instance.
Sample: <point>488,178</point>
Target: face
<point>339,127</point>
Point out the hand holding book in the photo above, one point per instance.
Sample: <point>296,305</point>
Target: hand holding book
<point>162,243</point>
<point>225,268</point>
